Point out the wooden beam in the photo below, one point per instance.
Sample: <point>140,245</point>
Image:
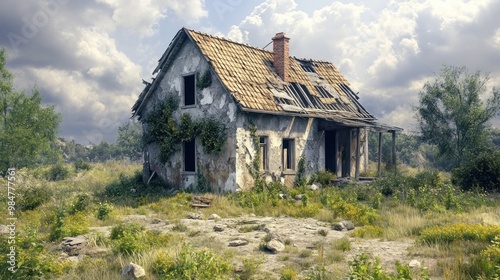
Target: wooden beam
<point>358,153</point>
<point>349,154</point>
<point>367,160</point>
<point>338,156</point>
<point>379,161</point>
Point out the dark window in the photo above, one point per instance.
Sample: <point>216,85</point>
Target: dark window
<point>189,156</point>
<point>288,154</point>
<point>263,153</point>
<point>308,68</point>
<point>189,90</point>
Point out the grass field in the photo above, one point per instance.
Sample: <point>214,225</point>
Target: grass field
<point>459,231</point>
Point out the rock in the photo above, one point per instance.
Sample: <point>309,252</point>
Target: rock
<point>133,190</point>
<point>74,259</point>
<point>315,186</point>
<point>133,271</point>
<point>74,245</point>
<point>299,197</point>
<point>414,264</point>
<point>275,246</point>
<point>282,196</point>
<point>343,226</point>
<point>238,243</point>
<point>218,228</point>
<point>214,217</point>
<point>252,215</point>
<point>194,216</point>
<point>268,179</point>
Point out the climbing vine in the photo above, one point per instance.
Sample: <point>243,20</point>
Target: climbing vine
<point>204,81</point>
<point>162,128</point>
<point>254,167</point>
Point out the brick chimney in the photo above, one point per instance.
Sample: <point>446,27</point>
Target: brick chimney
<point>281,55</point>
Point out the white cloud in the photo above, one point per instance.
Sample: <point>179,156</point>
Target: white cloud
<point>142,16</point>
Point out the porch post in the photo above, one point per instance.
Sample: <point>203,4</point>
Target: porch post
<point>358,153</point>
<point>338,158</point>
<point>379,162</point>
<point>367,162</point>
<point>394,149</point>
<point>349,154</point>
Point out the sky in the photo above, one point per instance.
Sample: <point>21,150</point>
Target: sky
<point>88,58</point>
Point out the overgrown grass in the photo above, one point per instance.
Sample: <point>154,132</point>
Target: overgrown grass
<point>424,206</point>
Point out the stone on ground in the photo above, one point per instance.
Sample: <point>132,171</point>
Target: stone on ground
<point>133,271</point>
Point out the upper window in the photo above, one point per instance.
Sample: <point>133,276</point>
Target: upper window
<point>189,90</point>
<point>288,154</point>
<point>263,153</point>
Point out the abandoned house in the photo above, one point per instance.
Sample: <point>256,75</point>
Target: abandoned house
<point>268,106</point>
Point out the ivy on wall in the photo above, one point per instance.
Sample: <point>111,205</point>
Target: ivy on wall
<point>204,81</point>
<point>163,129</point>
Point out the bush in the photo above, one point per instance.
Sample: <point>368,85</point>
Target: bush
<point>325,178</point>
<point>103,210</point>
<point>79,164</point>
<point>30,198</point>
<point>80,204</point>
<point>459,232</point>
<point>192,264</point>
<point>123,229</point>
<point>57,172</point>
<point>482,172</point>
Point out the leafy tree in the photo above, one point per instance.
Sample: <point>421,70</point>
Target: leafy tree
<point>452,115</point>
<point>129,143</point>
<point>26,127</point>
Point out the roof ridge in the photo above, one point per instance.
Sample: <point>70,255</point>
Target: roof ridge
<point>227,40</point>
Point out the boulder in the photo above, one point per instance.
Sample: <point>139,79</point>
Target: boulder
<point>275,246</point>
<point>218,228</point>
<point>214,217</point>
<point>133,271</point>
<point>343,226</point>
<point>238,243</point>
<point>299,197</point>
<point>194,216</point>
<point>74,245</point>
<point>315,186</point>
<point>414,264</point>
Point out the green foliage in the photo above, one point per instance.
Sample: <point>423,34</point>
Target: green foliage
<point>300,179</point>
<point>26,127</point>
<point>426,191</point>
<point>368,231</point>
<point>122,229</point>
<point>104,210</point>
<point>213,135</point>
<point>452,116</point>
<point>363,268</point>
<point>58,172</point>
<point>81,165</point>
<point>480,173</point>
<point>205,80</point>
<point>33,261</point>
<point>459,232</point>
<point>68,225</point>
<point>80,203</point>
<point>162,128</point>
<point>191,264</point>
<point>31,197</point>
<point>129,143</point>
<point>324,177</point>
<point>288,273</point>
<point>250,268</point>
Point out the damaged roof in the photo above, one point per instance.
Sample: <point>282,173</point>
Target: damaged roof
<point>313,88</point>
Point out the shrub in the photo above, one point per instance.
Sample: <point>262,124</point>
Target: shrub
<point>192,264</point>
<point>57,172</point>
<point>32,197</point>
<point>482,172</point>
<point>123,229</point>
<point>80,203</point>
<point>369,231</point>
<point>103,210</point>
<point>288,273</point>
<point>459,232</point>
<point>79,164</point>
<point>325,178</point>
<point>250,268</point>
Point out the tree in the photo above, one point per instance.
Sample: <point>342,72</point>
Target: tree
<point>129,143</point>
<point>26,127</point>
<point>452,116</point>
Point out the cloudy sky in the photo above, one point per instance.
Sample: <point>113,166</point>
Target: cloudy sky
<point>88,57</point>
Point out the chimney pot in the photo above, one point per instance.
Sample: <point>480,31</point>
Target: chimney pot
<point>281,55</point>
